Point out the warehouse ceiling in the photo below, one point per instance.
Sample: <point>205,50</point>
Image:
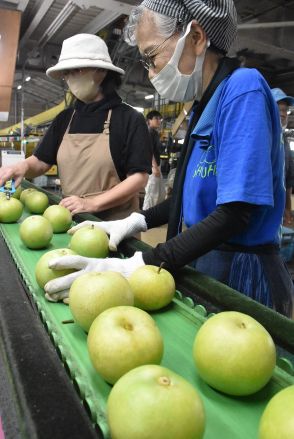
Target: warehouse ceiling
<point>265,41</point>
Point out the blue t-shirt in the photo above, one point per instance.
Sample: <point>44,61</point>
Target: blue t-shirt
<point>239,158</point>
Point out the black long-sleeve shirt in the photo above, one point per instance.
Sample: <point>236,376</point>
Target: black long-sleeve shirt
<point>130,144</point>
<point>226,221</point>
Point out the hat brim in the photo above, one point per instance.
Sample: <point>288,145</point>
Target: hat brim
<point>289,100</point>
<point>56,72</point>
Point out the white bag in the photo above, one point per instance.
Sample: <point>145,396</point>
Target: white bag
<point>154,192</point>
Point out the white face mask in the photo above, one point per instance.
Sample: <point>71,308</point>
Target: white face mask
<point>171,84</point>
<point>83,86</point>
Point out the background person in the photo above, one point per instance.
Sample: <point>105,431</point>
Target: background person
<point>154,123</point>
<point>229,187</point>
<point>101,146</point>
<point>154,191</point>
<point>284,102</point>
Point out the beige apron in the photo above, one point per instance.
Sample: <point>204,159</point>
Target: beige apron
<point>86,169</point>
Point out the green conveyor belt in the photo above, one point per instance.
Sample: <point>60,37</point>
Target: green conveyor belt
<point>227,417</point>
<point>213,294</point>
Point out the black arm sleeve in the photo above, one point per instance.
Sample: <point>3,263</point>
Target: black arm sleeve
<point>226,221</point>
<point>157,215</point>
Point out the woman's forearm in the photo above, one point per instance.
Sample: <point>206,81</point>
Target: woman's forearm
<point>35,167</point>
<point>120,193</point>
<point>221,225</point>
<point>30,168</point>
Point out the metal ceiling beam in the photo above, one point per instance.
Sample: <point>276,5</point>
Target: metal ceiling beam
<point>42,11</point>
<point>41,99</point>
<point>22,4</point>
<point>101,21</point>
<point>66,12</point>
<point>44,89</point>
<point>285,76</point>
<point>108,5</point>
<point>111,11</point>
<point>259,46</point>
<point>11,1</point>
<point>29,69</point>
<point>270,25</point>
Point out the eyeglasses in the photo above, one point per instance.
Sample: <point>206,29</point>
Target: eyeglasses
<point>148,58</point>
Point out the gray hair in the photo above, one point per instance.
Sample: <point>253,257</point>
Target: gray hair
<point>218,18</point>
<point>166,26</point>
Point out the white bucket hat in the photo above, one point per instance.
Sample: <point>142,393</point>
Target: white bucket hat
<point>82,50</point>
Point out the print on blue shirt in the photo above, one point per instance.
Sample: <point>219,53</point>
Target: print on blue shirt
<point>237,156</point>
<point>207,164</point>
<point>201,186</point>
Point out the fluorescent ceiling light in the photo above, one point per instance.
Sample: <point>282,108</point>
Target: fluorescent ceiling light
<point>19,87</point>
<point>149,97</point>
<point>28,78</point>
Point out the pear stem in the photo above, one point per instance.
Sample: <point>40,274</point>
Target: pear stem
<point>164,381</point>
<point>160,267</point>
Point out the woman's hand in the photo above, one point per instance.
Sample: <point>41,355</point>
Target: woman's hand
<point>113,197</point>
<point>58,289</point>
<point>29,168</point>
<point>77,204</point>
<point>117,229</point>
<point>17,172</point>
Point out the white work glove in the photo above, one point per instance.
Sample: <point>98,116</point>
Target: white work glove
<point>118,229</point>
<point>58,289</point>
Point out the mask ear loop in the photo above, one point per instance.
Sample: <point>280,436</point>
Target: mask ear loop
<point>181,43</point>
<point>188,30</point>
<point>199,68</point>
